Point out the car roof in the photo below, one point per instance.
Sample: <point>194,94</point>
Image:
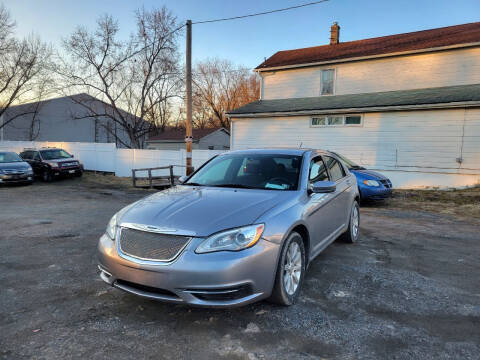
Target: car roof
<point>273,151</point>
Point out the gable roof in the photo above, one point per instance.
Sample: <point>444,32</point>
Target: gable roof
<point>413,41</point>
<point>450,96</point>
<point>179,134</point>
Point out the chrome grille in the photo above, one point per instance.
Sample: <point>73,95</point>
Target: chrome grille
<point>13,171</point>
<point>66,164</point>
<point>151,246</point>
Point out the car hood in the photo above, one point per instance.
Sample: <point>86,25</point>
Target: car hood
<point>15,165</point>
<point>369,174</point>
<point>202,211</point>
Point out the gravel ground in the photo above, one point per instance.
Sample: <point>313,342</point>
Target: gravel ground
<point>409,289</point>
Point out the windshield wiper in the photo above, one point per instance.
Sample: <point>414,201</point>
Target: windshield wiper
<point>239,186</point>
<point>357,167</point>
<point>192,184</point>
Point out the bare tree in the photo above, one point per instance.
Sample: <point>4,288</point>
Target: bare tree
<point>23,66</point>
<point>134,79</point>
<point>220,86</point>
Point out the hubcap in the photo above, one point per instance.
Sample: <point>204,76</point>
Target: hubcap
<point>292,268</point>
<point>355,221</point>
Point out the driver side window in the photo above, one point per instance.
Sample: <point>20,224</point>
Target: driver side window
<point>318,170</point>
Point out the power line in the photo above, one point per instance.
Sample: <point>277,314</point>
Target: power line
<point>261,13</point>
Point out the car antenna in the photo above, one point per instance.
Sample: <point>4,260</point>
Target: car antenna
<point>301,142</point>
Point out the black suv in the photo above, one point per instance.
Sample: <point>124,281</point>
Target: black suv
<point>49,163</point>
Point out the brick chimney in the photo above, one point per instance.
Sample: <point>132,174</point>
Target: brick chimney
<point>334,34</point>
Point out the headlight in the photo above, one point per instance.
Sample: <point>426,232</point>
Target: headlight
<point>113,223</point>
<point>232,240</point>
<point>52,164</point>
<point>112,227</point>
<point>371,183</point>
<point>29,171</point>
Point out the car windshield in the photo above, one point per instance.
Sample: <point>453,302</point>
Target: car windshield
<point>250,171</point>
<point>55,154</point>
<point>8,157</point>
<point>349,163</point>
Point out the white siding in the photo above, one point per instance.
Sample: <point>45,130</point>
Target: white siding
<point>426,141</point>
<point>454,67</point>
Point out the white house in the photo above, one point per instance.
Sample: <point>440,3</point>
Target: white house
<point>407,105</point>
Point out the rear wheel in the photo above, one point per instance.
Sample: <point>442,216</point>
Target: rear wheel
<point>351,235</point>
<point>290,271</point>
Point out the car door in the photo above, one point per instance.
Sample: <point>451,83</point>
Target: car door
<point>320,208</point>
<point>341,205</point>
<point>36,163</point>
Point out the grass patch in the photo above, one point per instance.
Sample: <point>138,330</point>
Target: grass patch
<point>463,203</point>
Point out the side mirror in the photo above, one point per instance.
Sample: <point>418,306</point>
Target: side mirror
<point>322,187</point>
<point>182,179</point>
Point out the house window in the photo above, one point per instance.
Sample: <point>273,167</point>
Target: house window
<point>336,120</point>
<point>328,78</point>
<point>210,147</point>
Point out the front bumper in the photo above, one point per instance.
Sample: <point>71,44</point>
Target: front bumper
<point>66,171</point>
<point>220,279</point>
<point>375,192</point>
<point>16,179</point>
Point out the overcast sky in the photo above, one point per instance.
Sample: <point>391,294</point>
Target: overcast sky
<point>248,41</point>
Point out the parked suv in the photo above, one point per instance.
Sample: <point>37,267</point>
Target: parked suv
<point>49,163</point>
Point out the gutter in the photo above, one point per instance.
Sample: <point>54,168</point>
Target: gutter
<point>369,57</point>
<point>451,105</point>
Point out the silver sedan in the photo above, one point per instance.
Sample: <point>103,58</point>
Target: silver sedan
<point>242,228</point>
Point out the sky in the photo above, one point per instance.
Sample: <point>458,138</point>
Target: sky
<point>248,41</point>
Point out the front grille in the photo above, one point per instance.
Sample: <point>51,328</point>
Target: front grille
<point>152,246</point>
<point>387,183</point>
<point>68,164</point>
<point>13,172</point>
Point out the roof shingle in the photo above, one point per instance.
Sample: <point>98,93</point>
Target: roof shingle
<point>442,95</point>
<point>419,40</point>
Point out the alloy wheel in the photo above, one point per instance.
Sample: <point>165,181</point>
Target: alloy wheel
<point>292,269</point>
<point>355,221</point>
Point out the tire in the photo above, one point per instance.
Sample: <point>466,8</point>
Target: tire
<point>79,174</point>
<point>283,293</point>
<point>353,231</point>
<point>47,176</point>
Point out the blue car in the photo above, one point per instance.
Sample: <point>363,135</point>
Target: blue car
<point>371,184</point>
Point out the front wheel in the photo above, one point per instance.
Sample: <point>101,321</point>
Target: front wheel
<point>351,235</point>
<point>47,176</point>
<point>290,272</point>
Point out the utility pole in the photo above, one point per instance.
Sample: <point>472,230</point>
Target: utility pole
<point>188,124</point>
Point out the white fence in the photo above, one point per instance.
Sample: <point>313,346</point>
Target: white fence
<point>106,157</point>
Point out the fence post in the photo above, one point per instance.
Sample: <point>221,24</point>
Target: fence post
<point>150,178</point>
<point>172,179</point>
<point>133,178</point>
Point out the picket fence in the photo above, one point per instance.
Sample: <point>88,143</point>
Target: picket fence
<point>106,157</point>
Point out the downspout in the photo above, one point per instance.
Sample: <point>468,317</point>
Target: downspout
<point>460,159</point>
